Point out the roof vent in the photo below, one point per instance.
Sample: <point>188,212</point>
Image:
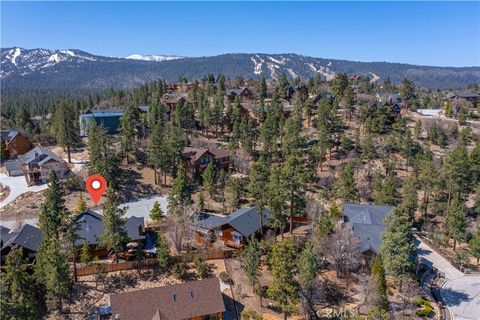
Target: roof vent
<point>191,294</point>
<point>117,316</point>
<point>174,297</point>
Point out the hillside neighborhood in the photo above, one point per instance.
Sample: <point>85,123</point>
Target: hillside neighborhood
<point>206,185</point>
<point>227,190</point>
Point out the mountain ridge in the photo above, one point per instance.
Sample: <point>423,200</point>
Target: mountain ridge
<point>77,69</point>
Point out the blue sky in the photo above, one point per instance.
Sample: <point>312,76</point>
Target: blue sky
<point>427,33</point>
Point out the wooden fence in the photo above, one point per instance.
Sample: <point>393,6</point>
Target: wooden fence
<point>150,262</point>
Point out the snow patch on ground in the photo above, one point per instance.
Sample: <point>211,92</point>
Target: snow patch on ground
<point>54,58</point>
<point>141,208</point>
<point>68,52</point>
<point>429,112</point>
<point>324,71</point>
<point>375,77</point>
<point>272,67</point>
<point>13,55</point>
<point>18,186</point>
<point>257,66</point>
<point>292,73</point>
<point>151,57</point>
<point>329,64</point>
<point>282,62</point>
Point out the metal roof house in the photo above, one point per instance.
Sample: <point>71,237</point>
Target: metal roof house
<point>109,120</point>
<point>367,223</point>
<point>234,229</point>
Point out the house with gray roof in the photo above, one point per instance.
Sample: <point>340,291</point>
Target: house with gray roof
<point>234,229</point>
<point>27,237</point>
<point>90,227</point>
<point>37,164</point>
<point>367,224</point>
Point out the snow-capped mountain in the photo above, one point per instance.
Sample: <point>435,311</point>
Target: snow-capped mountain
<point>152,57</point>
<point>76,69</point>
<point>25,61</point>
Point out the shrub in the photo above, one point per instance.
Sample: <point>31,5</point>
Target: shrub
<point>180,270</point>
<point>426,311</point>
<point>225,277</point>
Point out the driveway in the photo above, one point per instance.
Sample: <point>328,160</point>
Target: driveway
<point>461,293</point>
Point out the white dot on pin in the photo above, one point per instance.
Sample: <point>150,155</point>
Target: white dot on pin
<point>96,184</point>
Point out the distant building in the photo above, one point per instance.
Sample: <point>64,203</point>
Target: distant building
<point>108,120</point>
<point>367,224</point>
<point>243,93</point>
<point>468,96</point>
<point>196,159</point>
<point>234,229</point>
<point>27,237</point>
<point>198,300</point>
<point>16,143</point>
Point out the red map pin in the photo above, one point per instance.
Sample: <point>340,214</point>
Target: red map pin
<point>96,186</point>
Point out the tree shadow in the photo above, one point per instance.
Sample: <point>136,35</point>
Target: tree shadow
<point>136,189</point>
<point>451,297</point>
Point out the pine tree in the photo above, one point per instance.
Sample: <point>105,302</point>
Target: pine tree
<point>156,149</point>
<point>258,184</point>
<point>379,284</point>
<point>66,126</point>
<point>51,269</point>
<point>163,253</point>
<point>81,205</point>
<point>156,213</point>
<point>276,200</point>
<point>234,192</point>
<point>283,268</point>
<point>128,123</point>
<point>85,256</point>
<point>474,246</point>
<point>410,196</point>
<point>251,263</point>
<point>345,185</point>
<point>308,269</point>
<point>181,194</point>
<point>209,178</point>
<point>397,244</point>
<point>17,298</point>
<point>456,221</point>
<point>294,177</point>
<point>114,235</point>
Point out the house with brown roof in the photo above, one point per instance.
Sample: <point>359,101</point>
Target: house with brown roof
<point>199,300</point>
<point>196,159</point>
<point>16,143</point>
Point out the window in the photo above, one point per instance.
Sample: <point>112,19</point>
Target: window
<point>210,317</point>
<point>237,239</point>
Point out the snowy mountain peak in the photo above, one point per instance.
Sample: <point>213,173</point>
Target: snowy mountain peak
<point>152,57</point>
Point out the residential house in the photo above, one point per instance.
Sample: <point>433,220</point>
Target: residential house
<point>243,93</point>
<point>319,97</point>
<point>196,159</point>
<point>468,96</point>
<point>234,229</point>
<point>171,100</point>
<point>38,163</point>
<point>90,227</point>
<point>16,143</point>
<point>367,224</point>
<point>27,237</point>
<point>107,119</point>
<point>196,300</point>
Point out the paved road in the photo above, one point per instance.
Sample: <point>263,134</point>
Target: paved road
<point>461,293</point>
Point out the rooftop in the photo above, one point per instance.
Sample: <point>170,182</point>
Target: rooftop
<point>175,302</point>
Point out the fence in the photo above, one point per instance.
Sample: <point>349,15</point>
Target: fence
<point>150,262</point>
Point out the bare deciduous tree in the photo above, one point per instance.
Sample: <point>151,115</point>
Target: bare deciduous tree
<point>181,226</point>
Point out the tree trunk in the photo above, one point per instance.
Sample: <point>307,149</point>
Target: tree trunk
<point>291,213</point>
<point>454,244</point>
<point>68,153</point>
<point>155,175</point>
